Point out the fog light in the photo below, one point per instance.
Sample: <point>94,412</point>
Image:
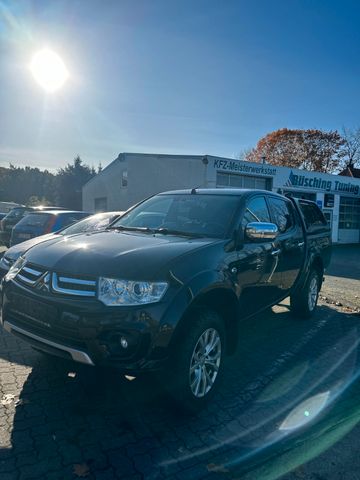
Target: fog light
<point>124,342</point>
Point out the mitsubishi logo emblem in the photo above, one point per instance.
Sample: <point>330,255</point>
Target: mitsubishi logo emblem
<point>43,283</point>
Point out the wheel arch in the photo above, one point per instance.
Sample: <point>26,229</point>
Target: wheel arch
<point>225,303</point>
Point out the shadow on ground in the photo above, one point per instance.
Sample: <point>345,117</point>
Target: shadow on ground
<point>284,386</point>
<point>345,262</point>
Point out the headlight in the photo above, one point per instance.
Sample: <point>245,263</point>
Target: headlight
<point>124,292</point>
<point>15,269</point>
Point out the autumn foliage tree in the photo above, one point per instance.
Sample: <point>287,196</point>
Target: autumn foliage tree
<point>314,150</point>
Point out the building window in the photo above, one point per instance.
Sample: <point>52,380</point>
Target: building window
<point>329,200</point>
<point>100,204</point>
<point>242,181</point>
<point>124,178</point>
<point>349,214</point>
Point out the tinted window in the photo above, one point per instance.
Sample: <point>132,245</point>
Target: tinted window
<point>256,211</point>
<point>282,213</point>
<point>313,216</point>
<point>198,214</point>
<point>35,220</point>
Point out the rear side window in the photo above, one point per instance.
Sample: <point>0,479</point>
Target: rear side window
<point>313,216</point>
<point>282,213</point>
<point>256,211</point>
<point>35,220</point>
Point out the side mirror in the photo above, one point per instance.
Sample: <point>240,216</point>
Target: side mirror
<point>261,231</point>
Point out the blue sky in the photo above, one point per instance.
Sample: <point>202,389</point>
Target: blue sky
<point>174,76</point>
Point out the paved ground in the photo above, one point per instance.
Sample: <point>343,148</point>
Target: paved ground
<point>62,422</point>
<point>289,394</point>
<point>343,275</point>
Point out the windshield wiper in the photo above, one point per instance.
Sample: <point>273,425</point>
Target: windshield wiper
<point>161,230</point>
<point>169,231</point>
<point>131,229</point>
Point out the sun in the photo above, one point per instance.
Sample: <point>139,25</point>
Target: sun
<point>49,70</point>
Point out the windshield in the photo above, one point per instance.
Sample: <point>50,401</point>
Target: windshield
<point>198,214</point>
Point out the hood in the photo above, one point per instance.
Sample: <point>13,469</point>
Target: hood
<point>14,252</point>
<point>110,253</point>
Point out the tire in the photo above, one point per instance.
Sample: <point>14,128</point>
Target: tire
<point>193,375</point>
<point>304,300</point>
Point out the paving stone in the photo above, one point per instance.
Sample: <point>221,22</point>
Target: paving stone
<point>121,463</point>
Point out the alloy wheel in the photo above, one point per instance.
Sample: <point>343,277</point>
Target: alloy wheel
<point>313,293</point>
<point>205,362</point>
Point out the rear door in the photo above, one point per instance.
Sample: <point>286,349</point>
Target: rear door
<point>289,245</point>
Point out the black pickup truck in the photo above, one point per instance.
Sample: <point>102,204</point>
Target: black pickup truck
<point>166,286</point>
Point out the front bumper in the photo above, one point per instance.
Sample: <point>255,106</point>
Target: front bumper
<point>85,330</point>
<point>48,345</point>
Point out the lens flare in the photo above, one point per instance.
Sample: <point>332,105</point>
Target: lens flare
<point>49,70</point>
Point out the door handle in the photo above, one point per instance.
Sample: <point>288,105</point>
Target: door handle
<point>274,253</point>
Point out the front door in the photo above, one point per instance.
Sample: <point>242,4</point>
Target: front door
<point>256,262</point>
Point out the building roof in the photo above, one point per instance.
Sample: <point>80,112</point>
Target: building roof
<point>350,171</point>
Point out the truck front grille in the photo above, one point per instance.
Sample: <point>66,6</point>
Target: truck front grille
<point>30,275</point>
<point>73,286</point>
<point>39,278</point>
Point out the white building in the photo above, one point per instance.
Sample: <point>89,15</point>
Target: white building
<point>134,176</point>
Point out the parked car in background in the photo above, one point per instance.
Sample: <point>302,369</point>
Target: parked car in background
<point>14,216</point>
<point>5,207</point>
<point>39,223</point>
<point>98,221</point>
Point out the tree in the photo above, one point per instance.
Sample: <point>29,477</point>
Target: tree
<point>314,150</point>
<point>244,154</point>
<point>35,201</point>
<point>19,184</point>
<point>70,181</point>
<point>351,147</point>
